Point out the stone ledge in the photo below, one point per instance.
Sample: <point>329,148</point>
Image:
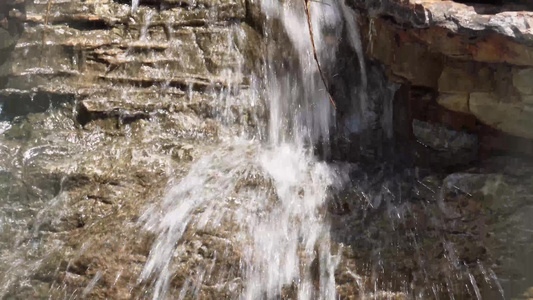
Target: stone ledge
<point>460,51</point>
<point>513,21</point>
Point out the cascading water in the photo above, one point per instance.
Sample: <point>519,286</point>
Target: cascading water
<point>167,178</point>
<point>272,193</point>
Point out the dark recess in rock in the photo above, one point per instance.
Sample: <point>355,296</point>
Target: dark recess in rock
<point>124,117</point>
<point>22,104</point>
<point>90,25</point>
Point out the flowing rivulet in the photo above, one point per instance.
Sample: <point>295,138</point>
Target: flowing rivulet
<point>271,193</point>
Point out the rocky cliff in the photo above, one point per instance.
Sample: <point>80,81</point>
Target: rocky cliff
<point>103,103</point>
<point>473,59</point>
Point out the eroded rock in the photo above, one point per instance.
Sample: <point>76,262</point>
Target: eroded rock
<point>458,50</point>
<point>458,225</point>
<point>100,108</point>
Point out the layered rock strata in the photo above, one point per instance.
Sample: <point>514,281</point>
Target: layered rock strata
<point>100,107</point>
<point>104,104</point>
<point>472,59</point>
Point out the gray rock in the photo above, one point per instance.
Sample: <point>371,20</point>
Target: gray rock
<point>440,138</point>
<point>6,40</point>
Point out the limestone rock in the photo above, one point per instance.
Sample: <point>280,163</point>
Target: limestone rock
<point>523,81</point>
<point>528,99</point>
<point>454,101</point>
<point>465,78</point>
<point>514,118</point>
<point>94,122</point>
<point>512,21</point>
<point>476,207</point>
<point>458,50</point>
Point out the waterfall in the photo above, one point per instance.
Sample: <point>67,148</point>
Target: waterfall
<point>264,199</point>
<point>168,149</point>
<point>134,6</point>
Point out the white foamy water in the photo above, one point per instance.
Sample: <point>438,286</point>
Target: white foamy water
<point>272,199</point>
<point>265,198</point>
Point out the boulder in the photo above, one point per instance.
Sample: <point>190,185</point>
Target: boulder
<point>454,101</point>
<point>514,118</point>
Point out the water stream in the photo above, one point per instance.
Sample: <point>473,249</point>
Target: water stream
<point>268,200</point>
<point>193,172</point>
<point>270,193</point>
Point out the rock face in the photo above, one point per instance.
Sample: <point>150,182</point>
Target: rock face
<point>99,108</point>
<point>456,232</point>
<point>477,57</point>
<point>106,103</point>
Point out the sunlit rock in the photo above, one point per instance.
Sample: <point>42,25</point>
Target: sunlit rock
<point>468,47</point>
<point>454,101</point>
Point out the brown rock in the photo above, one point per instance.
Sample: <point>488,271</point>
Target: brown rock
<point>465,77</point>
<point>413,62</point>
<point>458,49</point>
<point>454,101</point>
<point>523,81</point>
<point>512,118</point>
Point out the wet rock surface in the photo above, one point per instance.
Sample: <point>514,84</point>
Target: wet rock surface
<point>436,235</point>
<point>100,108</point>
<point>117,103</point>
